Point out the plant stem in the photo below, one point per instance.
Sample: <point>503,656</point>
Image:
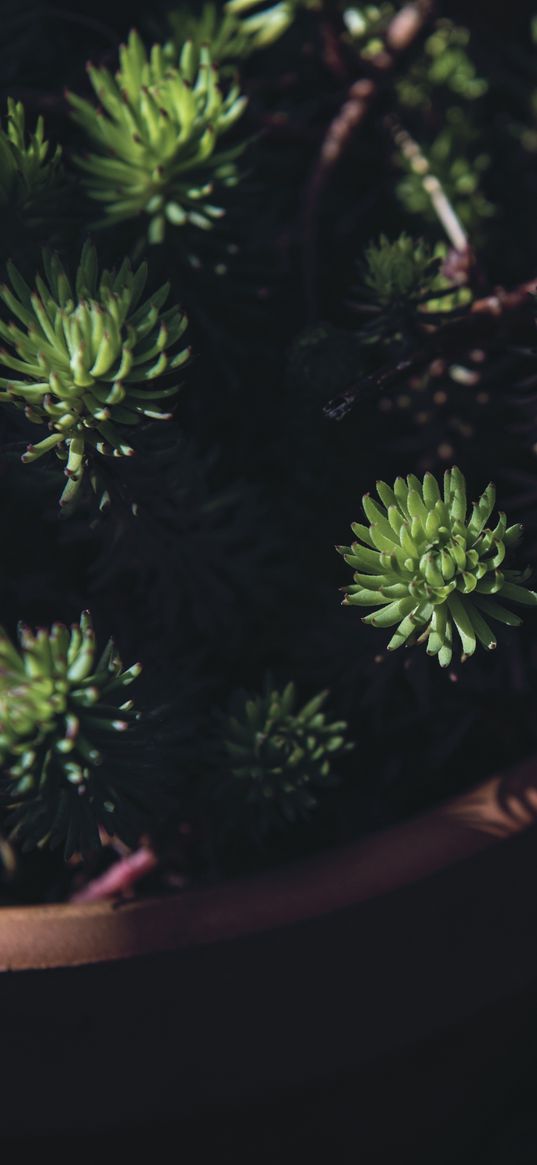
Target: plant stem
<point>419,165</point>
<point>450,339</point>
<point>121,877</point>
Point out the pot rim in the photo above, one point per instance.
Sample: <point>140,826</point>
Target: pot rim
<point>46,937</point>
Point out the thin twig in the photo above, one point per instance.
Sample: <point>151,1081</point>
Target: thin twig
<point>473,329</point>
<point>120,878</point>
<point>419,165</point>
<point>333,55</point>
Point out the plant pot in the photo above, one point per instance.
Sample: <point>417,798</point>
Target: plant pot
<point>395,975</point>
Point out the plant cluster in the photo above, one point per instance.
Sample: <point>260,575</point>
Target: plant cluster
<point>318,272</point>
<point>273,759</point>
<point>60,707</point>
<point>85,357</point>
<point>398,272</point>
<point>234,30</point>
<point>32,180</point>
<point>433,571</point>
<point>157,137</point>
<point>30,171</point>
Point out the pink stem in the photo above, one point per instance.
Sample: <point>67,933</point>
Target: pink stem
<point>119,878</point>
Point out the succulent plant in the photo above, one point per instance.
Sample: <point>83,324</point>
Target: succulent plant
<point>86,358</point>
<point>276,759</point>
<point>432,570</point>
<point>31,173</point>
<point>398,271</point>
<point>68,740</point>
<point>232,30</point>
<point>157,137</point>
<point>400,283</point>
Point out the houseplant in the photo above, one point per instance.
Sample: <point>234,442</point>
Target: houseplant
<point>338,264</point>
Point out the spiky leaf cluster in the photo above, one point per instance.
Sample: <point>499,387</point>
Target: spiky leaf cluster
<point>68,738</point>
<point>232,31</point>
<point>157,136</point>
<point>398,271</point>
<point>276,758</point>
<point>399,284</point>
<point>432,571</point>
<point>31,173</point>
<point>86,357</point>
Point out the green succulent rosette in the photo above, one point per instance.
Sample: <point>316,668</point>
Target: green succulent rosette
<point>31,174</point>
<point>69,740</point>
<point>400,282</point>
<point>276,758</point>
<point>233,30</point>
<point>432,571</point>
<point>156,137</point>
<point>87,358</point>
<point>398,271</point>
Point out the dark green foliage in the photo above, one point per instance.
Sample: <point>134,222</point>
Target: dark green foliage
<point>192,557</point>
<point>397,272</point>
<point>32,182</point>
<point>273,759</point>
<point>400,283</point>
<point>30,171</point>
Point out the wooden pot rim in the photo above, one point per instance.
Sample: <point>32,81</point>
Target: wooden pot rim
<point>71,935</point>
